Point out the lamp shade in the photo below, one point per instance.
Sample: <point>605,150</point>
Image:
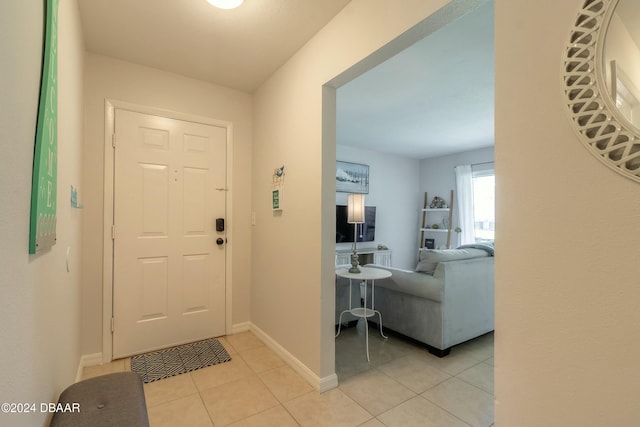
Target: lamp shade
<point>355,209</point>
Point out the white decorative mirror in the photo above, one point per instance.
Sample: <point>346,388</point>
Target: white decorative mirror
<point>602,82</point>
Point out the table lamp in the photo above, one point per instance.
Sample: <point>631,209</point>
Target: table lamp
<point>355,216</point>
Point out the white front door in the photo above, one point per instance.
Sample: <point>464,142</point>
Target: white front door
<point>169,266</point>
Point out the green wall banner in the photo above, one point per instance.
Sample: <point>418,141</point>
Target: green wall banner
<point>42,232</point>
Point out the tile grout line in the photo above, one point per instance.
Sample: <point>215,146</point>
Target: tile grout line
<point>280,403</point>
<point>446,410</point>
<point>475,386</point>
<point>476,362</point>
<point>205,406</point>
<point>419,393</point>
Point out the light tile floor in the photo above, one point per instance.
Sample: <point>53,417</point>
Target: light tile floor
<point>403,385</point>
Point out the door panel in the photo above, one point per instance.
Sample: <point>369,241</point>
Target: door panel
<point>152,275</point>
<point>168,271</point>
<point>194,295</point>
<point>154,181</point>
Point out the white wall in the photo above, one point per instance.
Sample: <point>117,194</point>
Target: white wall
<point>40,300</point>
<point>567,286</point>
<point>438,178</point>
<point>293,295</point>
<point>394,191</point>
<point>113,79</point>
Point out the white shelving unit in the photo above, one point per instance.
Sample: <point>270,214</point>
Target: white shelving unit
<point>440,213</point>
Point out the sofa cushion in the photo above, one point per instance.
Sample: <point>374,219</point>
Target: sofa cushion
<point>486,246</point>
<point>430,258</point>
<point>109,400</point>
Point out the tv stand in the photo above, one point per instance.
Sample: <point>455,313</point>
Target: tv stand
<point>365,256</point>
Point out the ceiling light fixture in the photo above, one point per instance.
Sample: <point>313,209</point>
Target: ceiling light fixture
<point>225,4</point>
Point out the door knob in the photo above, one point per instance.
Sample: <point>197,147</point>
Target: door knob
<point>220,241</point>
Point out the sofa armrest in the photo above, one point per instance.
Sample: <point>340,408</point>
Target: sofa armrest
<point>415,283</point>
<point>468,281</point>
<point>468,299</point>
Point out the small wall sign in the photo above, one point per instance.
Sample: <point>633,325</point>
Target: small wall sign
<point>276,199</point>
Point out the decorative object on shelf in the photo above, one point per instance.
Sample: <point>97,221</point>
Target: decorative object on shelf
<point>435,227</point>
<point>42,224</point>
<point>430,243</point>
<point>603,129</point>
<point>355,216</point>
<point>352,178</point>
<point>437,203</point>
<point>457,230</point>
<point>445,223</point>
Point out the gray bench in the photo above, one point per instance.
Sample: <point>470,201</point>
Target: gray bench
<point>106,401</point>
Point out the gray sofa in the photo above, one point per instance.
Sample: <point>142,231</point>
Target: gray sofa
<point>448,302</point>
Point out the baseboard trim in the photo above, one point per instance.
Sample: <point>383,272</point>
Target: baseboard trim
<point>240,327</point>
<point>327,383</point>
<point>87,360</point>
<point>320,384</point>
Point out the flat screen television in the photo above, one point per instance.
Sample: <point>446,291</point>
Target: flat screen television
<point>344,230</point>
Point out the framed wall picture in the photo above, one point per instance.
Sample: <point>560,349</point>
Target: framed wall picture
<point>352,178</point>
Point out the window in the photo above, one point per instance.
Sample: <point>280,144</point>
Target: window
<point>476,202</point>
<point>484,205</point>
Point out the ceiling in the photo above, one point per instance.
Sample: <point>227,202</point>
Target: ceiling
<point>432,99</point>
<point>237,48</point>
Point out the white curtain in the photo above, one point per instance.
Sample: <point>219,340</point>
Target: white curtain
<point>464,187</point>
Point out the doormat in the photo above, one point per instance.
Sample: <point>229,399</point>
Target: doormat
<point>177,360</point>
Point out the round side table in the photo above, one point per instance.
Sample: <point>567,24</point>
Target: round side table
<point>367,274</point>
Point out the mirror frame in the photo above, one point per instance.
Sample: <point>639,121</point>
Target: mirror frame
<point>603,130</point>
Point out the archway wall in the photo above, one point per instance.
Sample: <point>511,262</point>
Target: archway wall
<point>292,293</point>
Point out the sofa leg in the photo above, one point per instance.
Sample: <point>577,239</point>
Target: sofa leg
<point>431,349</point>
<point>438,352</point>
